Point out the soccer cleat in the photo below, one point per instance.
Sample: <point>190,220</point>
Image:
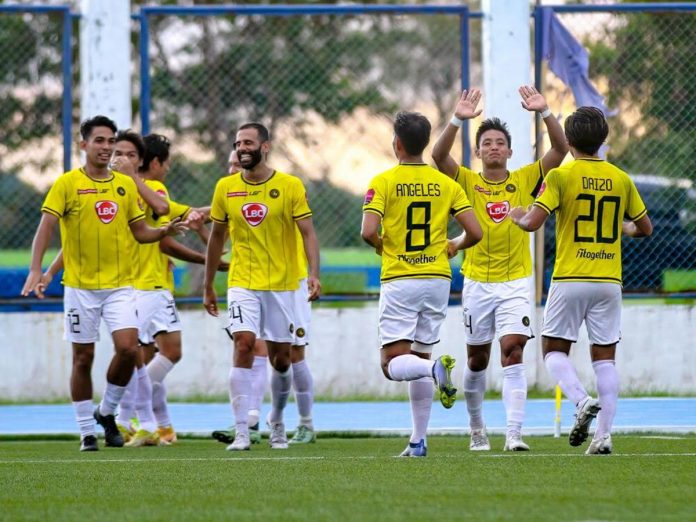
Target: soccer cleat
<point>601,446</point>
<point>442,375</point>
<point>254,434</point>
<point>144,438</point>
<point>126,432</point>
<point>479,440</point>
<point>89,443</point>
<point>514,442</point>
<point>278,439</point>
<point>224,436</point>
<point>241,443</point>
<point>415,449</point>
<point>167,435</point>
<point>587,410</point>
<point>112,436</point>
<point>303,435</point>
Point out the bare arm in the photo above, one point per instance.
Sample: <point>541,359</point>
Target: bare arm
<point>212,260</point>
<point>311,247</point>
<point>465,110</point>
<point>42,238</point>
<point>471,234</point>
<point>641,228</point>
<point>534,101</point>
<point>529,220</point>
<point>173,248</point>
<point>144,233</point>
<point>46,278</point>
<point>154,200</point>
<point>370,231</point>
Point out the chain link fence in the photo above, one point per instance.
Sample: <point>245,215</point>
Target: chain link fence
<point>327,86</point>
<point>642,62</point>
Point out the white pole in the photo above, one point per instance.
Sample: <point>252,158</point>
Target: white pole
<point>507,64</point>
<point>105,62</point>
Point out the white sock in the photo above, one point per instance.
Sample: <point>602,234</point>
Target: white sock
<point>259,382</point>
<point>112,396</point>
<point>303,383</point>
<point>158,368</point>
<point>409,367</point>
<point>474,389</point>
<point>84,413</point>
<point>240,392</point>
<point>561,369</point>
<point>420,393</point>
<point>126,408</point>
<point>143,401</point>
<point>608,392</point>
<point>159,404</point>
<point>514,395</point>
<point>280,391</point>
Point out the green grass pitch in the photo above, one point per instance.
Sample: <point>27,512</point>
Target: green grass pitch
<point>648,478</point>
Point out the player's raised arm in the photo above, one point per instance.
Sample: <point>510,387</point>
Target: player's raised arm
<point>464,110</point>
<point>534,101</point>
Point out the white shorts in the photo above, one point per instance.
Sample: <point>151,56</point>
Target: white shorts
<point>85,308</point>
<point>303,314</point>
<point>413,310</point>
<point>598,304</point>
<point>157,314</point>
<point>496,308</point>
<point>268,315</point>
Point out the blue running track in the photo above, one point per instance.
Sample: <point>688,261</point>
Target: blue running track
<point>674,415</point>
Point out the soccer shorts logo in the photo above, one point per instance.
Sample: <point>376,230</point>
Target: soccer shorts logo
<point>525,320</point>
<point>300,333</point>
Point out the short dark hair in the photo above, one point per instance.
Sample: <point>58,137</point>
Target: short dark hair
<point>133,137</point>
<point>493,124</point>
<point>586,129</point>
<point>87,126</point>
<point>413,130</point>
<point>156,146</point>
<point>262,131</point>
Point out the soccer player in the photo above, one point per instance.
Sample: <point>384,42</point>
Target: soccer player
<point>412,202</point>
<point>261,208</point>
<point>98,213</point>
<point>591,198</point>
<point>497,271</point>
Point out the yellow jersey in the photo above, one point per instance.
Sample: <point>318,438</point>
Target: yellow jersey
<point>591,198</point>
<point>414,202</point>
<point>176,210</point>
<point>504,253</point>
<point>152,264</point>
<point>261,222</point>
<point>95,217</point>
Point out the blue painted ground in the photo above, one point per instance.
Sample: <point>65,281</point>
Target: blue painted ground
<point>646,414</point>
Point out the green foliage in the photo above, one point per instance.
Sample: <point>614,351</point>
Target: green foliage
<point>19,203</point>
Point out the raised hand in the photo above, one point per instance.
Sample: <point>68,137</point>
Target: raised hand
<point>466,106</point>
<point>532,100</point>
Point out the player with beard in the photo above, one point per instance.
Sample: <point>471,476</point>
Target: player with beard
<point>261,208</point>
<point>497,271</point>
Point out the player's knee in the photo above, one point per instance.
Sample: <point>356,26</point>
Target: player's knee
<point>82,360</point>
<point>512,356</point>
<point>478,362</point>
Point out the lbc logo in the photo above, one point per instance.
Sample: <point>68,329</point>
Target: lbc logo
<point>254,213</point>
<point>106,210</point>
<point>498,211</point>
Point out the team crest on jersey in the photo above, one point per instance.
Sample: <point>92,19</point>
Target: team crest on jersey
<point>106,210</point>
<point>121,191</point>
<point>369,195</point>
<point>274,193</point>
<point>254,213</point>
<point>479,188</point>
<point>498,211</point>
<point>510,187</point>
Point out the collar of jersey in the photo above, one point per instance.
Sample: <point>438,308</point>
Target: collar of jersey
<point>82,169</point>
<point>414,164</point>
<point>258,182</point>
<point>589,159</point>
<point>489,182</point>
